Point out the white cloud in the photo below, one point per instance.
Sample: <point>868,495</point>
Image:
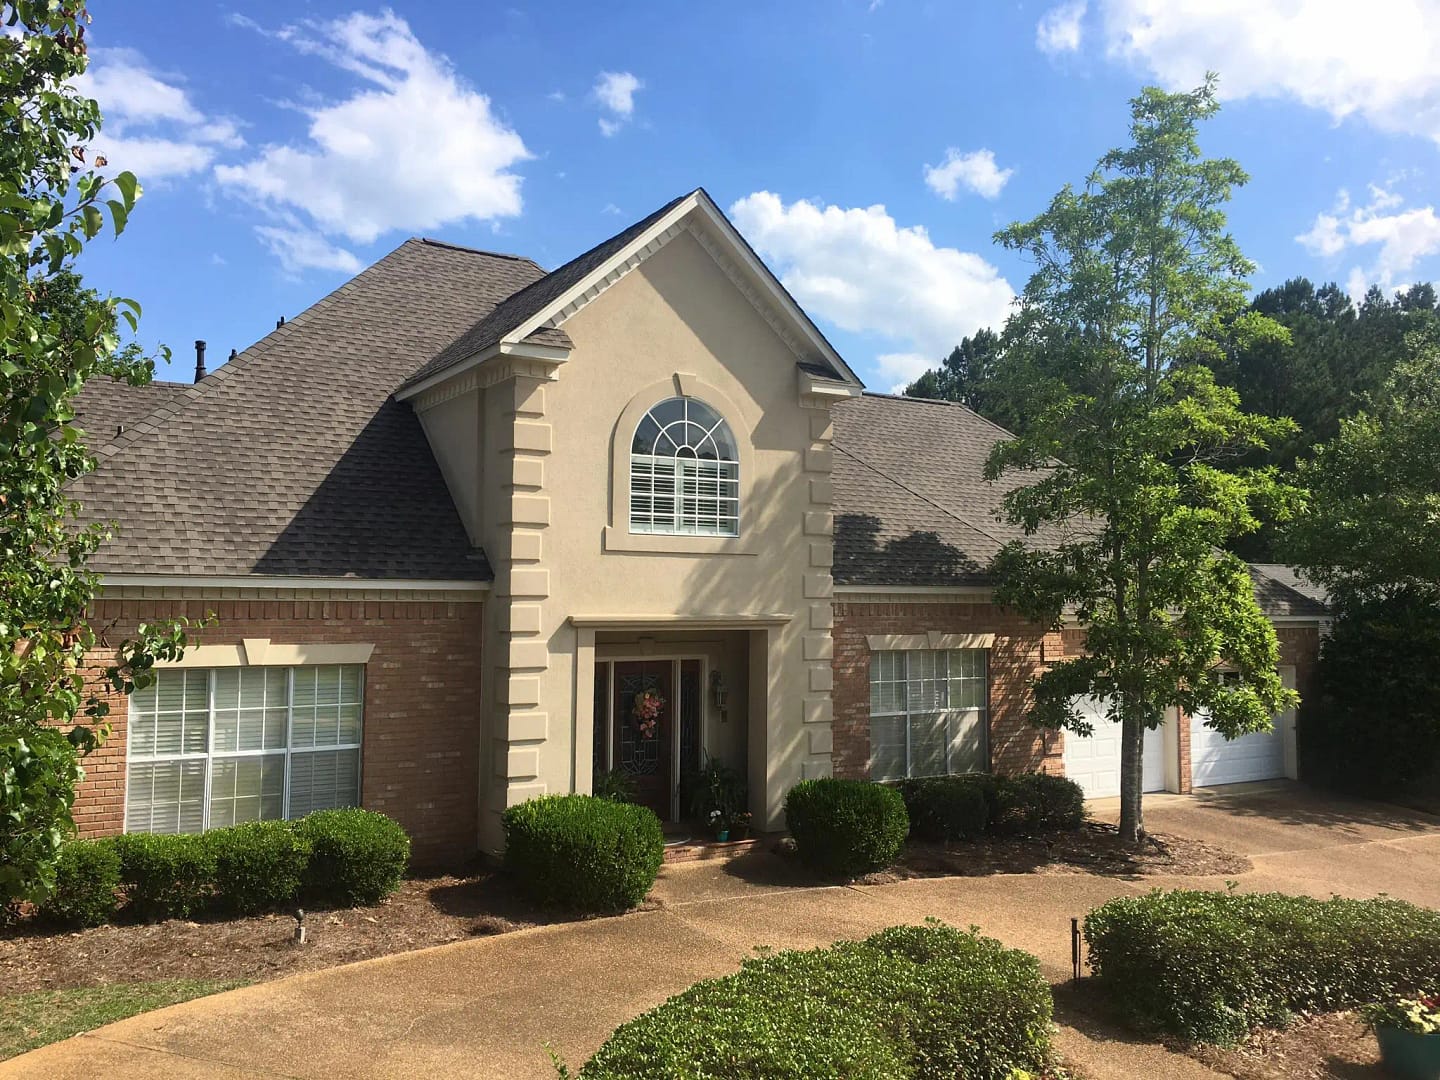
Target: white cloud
<point>975,171</point>
<point>1059,30</point>
<point>414,147</point>
<point>615,91</point>
<point>858,269</point>
<point>1399,237</point>
<point>299,249</point>
<point>1380,62</point>
<point>152,127</point>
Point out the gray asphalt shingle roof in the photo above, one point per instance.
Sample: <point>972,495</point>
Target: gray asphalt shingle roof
<point>294,459</point>
<point>912,506</point>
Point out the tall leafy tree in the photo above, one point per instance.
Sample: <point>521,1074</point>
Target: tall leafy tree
<point>1132,451</point>
<point>1373,520</point>
<point>54,336</point>
<point>965,374</point>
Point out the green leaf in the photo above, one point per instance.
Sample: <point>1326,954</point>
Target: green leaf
<point>118,215</point>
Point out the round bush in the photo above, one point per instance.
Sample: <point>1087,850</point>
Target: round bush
<point>1211,966</point>
<point>258,865</point>
<point>165,876</point>
<point>87,875</point>
<point>946,807</point>
<point>357,857</point>
<point>846,827</point>
<point>926,1002</point>
<point>1036,802</point>
<point>580,852</point>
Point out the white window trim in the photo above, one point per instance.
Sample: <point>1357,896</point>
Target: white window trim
<point>209,755</point>
<point>261,652</point>
<point>617,535</point>
<point>983,710</point>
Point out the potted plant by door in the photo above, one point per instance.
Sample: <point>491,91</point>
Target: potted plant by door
<point>1408,1030</point>
<point>740,826</point>
<point>719,826</point>
<point>716,797</point>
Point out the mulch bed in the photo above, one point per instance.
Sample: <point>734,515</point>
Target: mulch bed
<point>1094,848</point>
<point>1326,1045</point>
<point>425,911</point>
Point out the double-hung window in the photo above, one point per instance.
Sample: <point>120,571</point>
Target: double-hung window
<point>209,748</point>
<point>684,472</point>
<point>927,712</point>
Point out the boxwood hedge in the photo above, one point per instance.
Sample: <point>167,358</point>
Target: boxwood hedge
<point>846,827</point>
<point>258,865</point>
<point>582,852</point>
<point>357,857</point>
<point>87,877</point>
<point>1211,966</point>
<point>913,1001</point>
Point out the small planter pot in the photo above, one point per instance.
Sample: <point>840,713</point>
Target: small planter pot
<point>722,836</point>
<point>740,832</point>
<point>1408,1054</point>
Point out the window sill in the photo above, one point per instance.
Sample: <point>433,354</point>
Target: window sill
<point>671,544</point>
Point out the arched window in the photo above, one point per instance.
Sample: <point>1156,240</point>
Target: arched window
<point>684,472</point>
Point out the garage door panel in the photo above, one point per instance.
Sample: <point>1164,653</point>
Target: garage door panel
<point>1217,760</point>
<point>1093,761</point>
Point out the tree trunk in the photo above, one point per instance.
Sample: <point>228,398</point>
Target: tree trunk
<point>1132,775</point>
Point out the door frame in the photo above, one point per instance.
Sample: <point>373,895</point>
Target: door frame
<point>674,660</point>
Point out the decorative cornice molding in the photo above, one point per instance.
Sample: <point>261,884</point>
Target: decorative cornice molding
<point>615,274</point>
<point>499,368</point>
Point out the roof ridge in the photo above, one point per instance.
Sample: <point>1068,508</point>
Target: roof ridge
<point>433,242</point>
<point>919,495</point>
<point>941,401</point>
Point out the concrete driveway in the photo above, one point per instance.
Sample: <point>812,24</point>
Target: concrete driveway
<point>489,1007</point>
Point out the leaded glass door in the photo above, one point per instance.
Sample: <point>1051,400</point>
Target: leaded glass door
<point>643,736</point>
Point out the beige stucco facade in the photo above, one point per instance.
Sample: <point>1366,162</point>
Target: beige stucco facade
<point>536,452</point>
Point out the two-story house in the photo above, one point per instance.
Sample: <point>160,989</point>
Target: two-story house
<point>453,518</point>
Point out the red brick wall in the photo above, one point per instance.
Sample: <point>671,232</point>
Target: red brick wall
<point>1019,652</point>
<point>420,752</point>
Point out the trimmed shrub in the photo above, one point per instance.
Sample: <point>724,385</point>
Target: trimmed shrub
<point>946,807</point>
<point>357,857</point>
<point>924,1002</point>
<point>165,876</point>
<point>1036,802</point>
<point>1212,966</point>
<point>258,865</point>
<point>580,852</point>
<point>87,875</point>
<point>846,827</point>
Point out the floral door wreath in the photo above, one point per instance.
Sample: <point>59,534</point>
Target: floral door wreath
<point>647,709</point>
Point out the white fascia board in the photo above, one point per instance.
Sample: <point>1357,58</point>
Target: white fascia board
<point>258,581</point>
<point>526,350</point>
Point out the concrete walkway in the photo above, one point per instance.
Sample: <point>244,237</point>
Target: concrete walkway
<point>489,1007</point>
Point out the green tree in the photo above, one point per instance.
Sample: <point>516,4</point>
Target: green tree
<point>964,375</point>
<point>1374,491</point>
<point>1133,451</point>
<point>54,336</point>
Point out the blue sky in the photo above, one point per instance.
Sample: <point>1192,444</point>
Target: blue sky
<point>868,148</point>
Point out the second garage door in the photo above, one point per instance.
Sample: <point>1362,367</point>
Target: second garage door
<point>1262,756</point>
<point>1093,761</point>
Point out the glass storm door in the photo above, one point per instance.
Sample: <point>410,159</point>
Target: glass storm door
<point>643,747</point>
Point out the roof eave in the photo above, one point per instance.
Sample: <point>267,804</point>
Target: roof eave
<point>524,350</point>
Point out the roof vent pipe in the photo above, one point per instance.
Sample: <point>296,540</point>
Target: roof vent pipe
<point>279,322</point>
<point>233,354</point>
<point>199,360</point>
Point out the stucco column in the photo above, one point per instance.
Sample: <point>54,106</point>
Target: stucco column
<point>522,587</point>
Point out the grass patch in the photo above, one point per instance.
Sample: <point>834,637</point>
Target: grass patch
<point>31,1020</point>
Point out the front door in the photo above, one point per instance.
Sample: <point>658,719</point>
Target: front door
<point>644,728</point>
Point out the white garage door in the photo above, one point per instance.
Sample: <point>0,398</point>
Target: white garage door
<point>1262,756</point>
<point>1093,761</point>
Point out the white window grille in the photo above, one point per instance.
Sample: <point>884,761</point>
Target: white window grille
<point>927,712</point>
<point>684,472</point>
<point>209,748</point>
